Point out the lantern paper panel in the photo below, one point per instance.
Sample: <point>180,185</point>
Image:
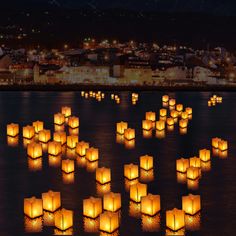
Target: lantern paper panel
<point>51,201</point>
<point>191,204</point>
<point>121,127</point>
<point>112,202</point>
<point>109,222</point>
<point>92,207</point>
<point>33,207</point>
<point>34,150</point>
<point>138,191</point>
<point>38,126</point>
<point>64,219</point>
<point>28,132</point>
<point>175,219</point>
<point>103,175</point>
<point>68,166</point>
<point>13,130</point>
<point>146,162</point>
<point>131,171</point>
<point>59,119</point>
<point>150,204</point>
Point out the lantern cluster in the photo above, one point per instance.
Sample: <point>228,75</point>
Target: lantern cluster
<point>214,100</point>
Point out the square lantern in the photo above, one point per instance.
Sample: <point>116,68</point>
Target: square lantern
<point>137,191</point>
<point>182,165</point>
<point>28,132</point>
<point>13,130</point>
<point>64,219</point>
<point>172,102</point>
<point>150,204</point>
<point>175,219</point>
<point>109,222</point>
<point>103,175</point>
<point>34,150</point>
<point>92,207</point>
<point>165,98</point>
<point>189,110</point>
<point>71,141</point>
<point>185,116</point>
<point>129,134</point>
<point>174,114</point>
<point>223,145</point>
<point>191,204</point>
<point>195,162</point>
<point>179,107</point>
<point>59,119</point>
<point>73,122</point>
<point>147,125</point>
<point>38,126</point>
<point>60,137</point>
<point>146,162</point>
<point>44,136</point>
<point>112,202</point>
<point>163,112</point>
<point>193,173</point>
<point>51,201</point>
<point>121,127</point>
<point>131,171</point>
<point>205,155</point>
<point>68,166</point>
<point>81,148</point>
<point>170,121</point>
<point>150,116</point>
<point>183,124</point>
<point>66,111</point>
<point>160,125</point>
<point>215,142</point>
<point>92,154</point>
<point>54,148</point>
<point>33,207</point>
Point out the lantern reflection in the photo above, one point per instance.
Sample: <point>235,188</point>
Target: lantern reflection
<point>74,131</point>
<point>151,223</point>
<point>160,134</point>
<point>91,225</point>
<point>193,184</point>
<point>65,232</point>
<point>129,183</point>
<point>193,223</point>
<point>147,133</point>
<point>135,209</point>
<point>146,176</point>
<point>175,219</point>
<point>12,130</point>
<point>35,164</point>
<point>103,188</point>
<point>68,178</point>
<point>129,144</point>
<point>120,138</point>
<point>48,218</point>
<point>91,166</point>
<point>205,166</point>
<point>54,161</point>
<point>33,225</point>
<point>170,128</point>
<point>223,154</point>
<point>70,153</point>
<point>26,142</point>
<point>81,162</point>
<point>183,131</point>
<point>13,141</point>
<point>181,178</point>
<point>59,128</point>
<point>109,222</point>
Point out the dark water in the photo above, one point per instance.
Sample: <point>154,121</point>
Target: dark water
<point>217,187</point>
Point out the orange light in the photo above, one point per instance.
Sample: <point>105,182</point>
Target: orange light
<point>137,191</point>
<point>59,119</point>
<point>72,140</point>
<point>150,204</point>
<point>54,148</point>
<point>73,122</point>
<point>121,127</point>
<point>103,175</point>
<point>28,132</point>
<point>38,126</point>
<point>129,134</point>
<point>13,130</point>
<point>33,207</point>
<point>112,202</point>
<point>34,150</point>
<point>92,154</point>
<point>64,219</point>
<point>68,166</point>
<point>51,201</point>
<point>60,137</point>
<point>81,148</point>
<point>92,207</point>
<point>182,165</point>
<point>44,136</point>
<point>109,222</point>
<point>131,171</point>
<point>146,162</point>
<point>66,111</point>
<point>191,204</point>
<point>175,219</point>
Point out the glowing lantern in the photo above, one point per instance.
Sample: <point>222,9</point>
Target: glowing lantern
<point>170,121</point>
<point>33,207</point>
<point>174,114</point>
<point>92,154</point>
<point>44,136</point>
<point>68,166</point>
<point>182,165</point>
<point>131,171</point>
<point>193,173</point>
<point>12,130</point>
<point>189,110</point>
<point>172,102</point>
<point>179,107</point>
<point>51,201</point>
<point>183,124</point>
<point>129,134</point>
<point>165,98</point>
<point>121,127</point>
<point>64,219</point>
<point>147,124</point>
<point>38,126</point>
<point>34,150</point>
<point>28,132</point>
<point>150,204</point>
<point>205,155</point>
<point>66,111</point>
<point>59,119</point>
<point>81,148</point>
<point>103,175</point>
<point>160,125</point>
<point>137,191</point>
<point>112,202</point>
<point>223,145</point>
<point>175,219</point>
<point>195,162</point>
<point>151,116</point>
<point>209,103</point>
<point>92,207</point>
<point>185,115</point>
<point>146,162</point>
<point>163,112</point>
<point>109,222</point>
<point>73,122</point>
<point>54,148</point>
<point>71,141</point>
<point>60,137</point>
<point>191,204</point>
<point>215,142</point>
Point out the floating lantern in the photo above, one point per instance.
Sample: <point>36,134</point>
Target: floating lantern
<point>191,204</point>
<point>129,183</point>
<point>193,173</point>
<point>131,171</point>
<point>33,207</point>
<point>103,175</point>
<point>174,114</point>
<point>112,202</point>
<point>59,119</point>
<point>68,166</point>
<point>103,188</point>
<point>195,162</point>
<point>81,148</point>
<point>163,112</point>
<point>184,115</point>
<point>151,223</point>
<point>215,142</point>
<point>183,124</point>
<point>223,145</point>
<point>182,165</point>
<point>38,126</point>
<point>35,164</point>
<point>12,130</point>
<point>66,111</point>
<point>60,137</point>
<point>92,207</point>
<point>151,116</point>
<point>160,125</point>
<point>146,176</point>
<point>147,125</point>
<point>129,134</point>
<point>109,222</point>
<point>73,122</point>
<point>68,178</point>
<point>54,148</point>
<point>91,225</point>
<point>51,201</point>
<point>137,191</point>
<point>150,204</point>
<point>28,132</point>
<point>205,155</point>
<point>33,225</point>
<point>34,150</point>
<point>175,219</point>
<point>64,219</point>
<point>44,136</point>
<point>170,121</point>
<point>179,107</point>
<point>71,141</point>
<point>209,103</point>
<point>92,154</point>
<point>146,162</point>
<point>172,102</point>
<point>121,127</point>
<point>165,98</point>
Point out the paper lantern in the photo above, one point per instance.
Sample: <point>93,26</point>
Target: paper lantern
<point>195,162</point>
<point>51,201</point>
<point>179,107</point>
<point>60,137</point>
<point>146,176</point>
<point>172,102</point>
<point>112,202</point>
<point>38,126</point>
<point>92,154</point>
<point>54,148</point>
<point>12,130</point>
<point>68,166</point>
<point>33,226</point>
<point>28,132</point>
<point>92,207</point>
<point>209,103</point>
<point>121,127</point>
<point>103,188</point>
<point>151,223</point>
<point>129,134</point>
<point>150,204</point>
<point>184,115</point>
<point>183,124</point>
<point>91,225</point>
<point>71,141</point>
<point>150,116</point>
<point>68,178</point>
<point>223,145</point>
<point>64,219</point>
<point>160,125</point>
<point>170,121</point>
<point>59,119</point>
<point>146,162</point>
<point>189,110</point>
<point>205,155</point>
<point>66,111</point>
<point>147,125</point>
<point>81,148</point>
<point>175,219</point>
<point>174,114</point>
<point>44,136</point>
<point>165,98</point>
<point>103,175</point>
<point>131,171</point>
<point>182,165</point>
<point>73,122</point>
<point>191,204</point>
<point>223,154</point>
<point>138,191</point>
<point>34,150</point>
<point>215,142</point>
<point>33,207</point>
<point>193,173</point>
<point>163,112</point>
<point>109,222</point>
